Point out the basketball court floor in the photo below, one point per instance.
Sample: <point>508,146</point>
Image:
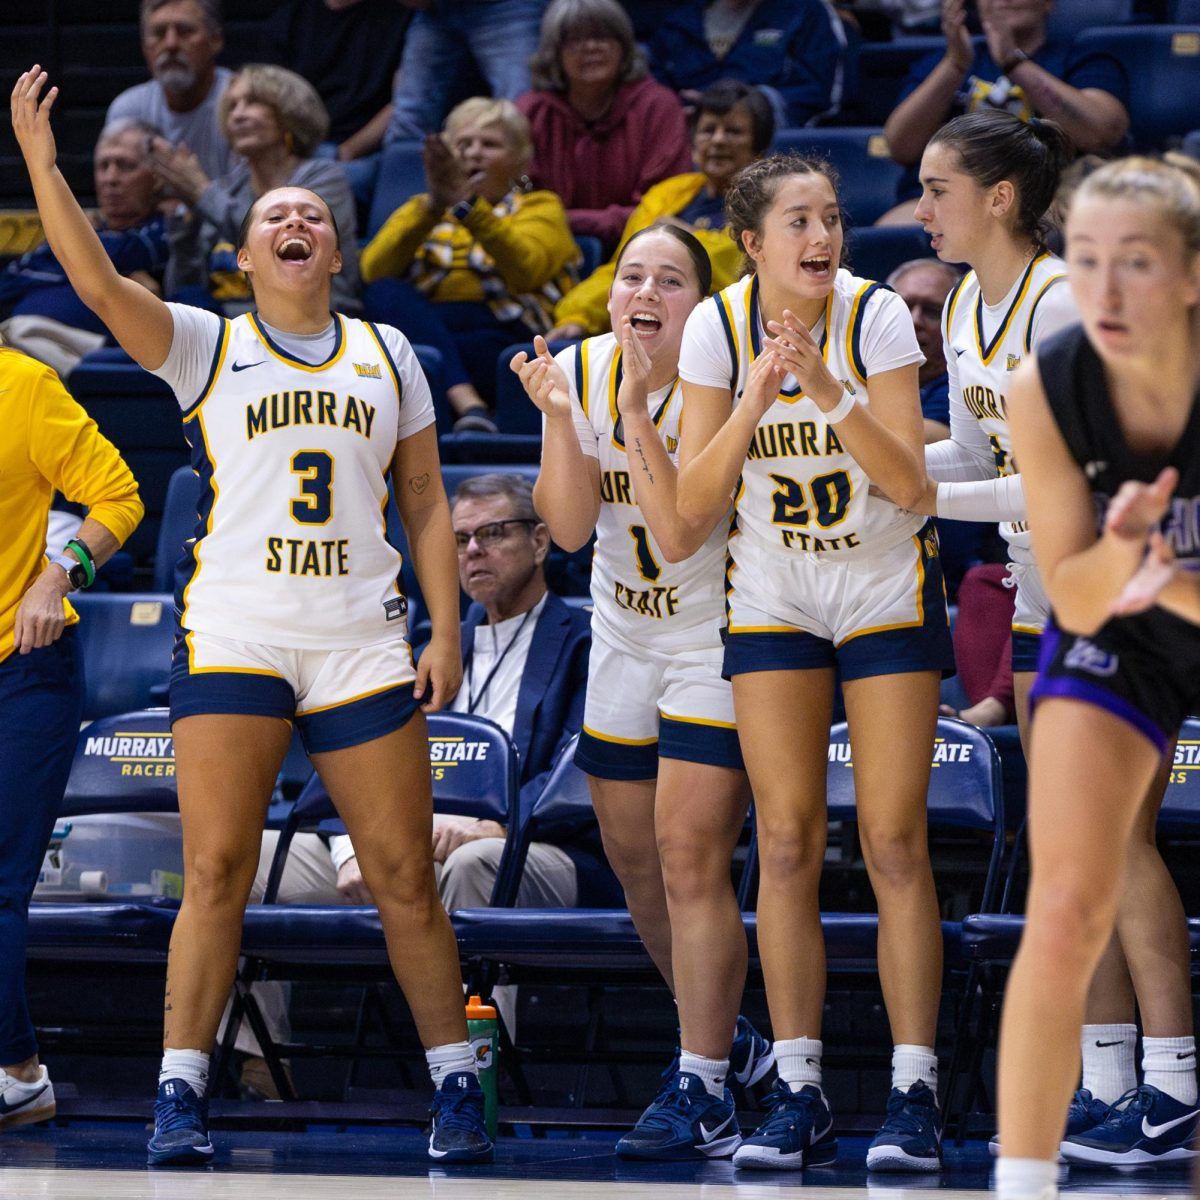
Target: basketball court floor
<point>105,1161</point>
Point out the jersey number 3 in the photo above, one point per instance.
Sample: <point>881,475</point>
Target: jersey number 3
<point>314,505</point>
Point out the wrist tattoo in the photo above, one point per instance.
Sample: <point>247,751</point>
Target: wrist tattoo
<point>637,445</point>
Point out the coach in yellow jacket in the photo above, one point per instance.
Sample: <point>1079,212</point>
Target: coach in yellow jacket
<point>479,260</point>
<point>731,125</point>
<point>47,444</point>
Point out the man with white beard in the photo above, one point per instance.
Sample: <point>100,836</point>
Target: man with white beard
<point>181,40</point>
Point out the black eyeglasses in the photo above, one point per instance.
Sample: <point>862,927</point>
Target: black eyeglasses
<point>489,534</point>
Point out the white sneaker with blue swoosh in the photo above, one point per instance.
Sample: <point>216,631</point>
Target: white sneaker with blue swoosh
<point>23,1103</point>
<point>1144,1127</point>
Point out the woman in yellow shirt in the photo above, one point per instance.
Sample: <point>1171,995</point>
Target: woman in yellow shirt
<point>732,125</point>
<point>47,443</point>
<point>476,262</point>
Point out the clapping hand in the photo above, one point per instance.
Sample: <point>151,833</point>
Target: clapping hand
<point>801,357</point>
<point>544,381</point>
<point>1134,515</point>
<point>959,50</point>
<point>178,169</point>
<point>444,174</point>
<point>635,372</point>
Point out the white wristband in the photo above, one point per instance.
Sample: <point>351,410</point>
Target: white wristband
<point>844,408</point>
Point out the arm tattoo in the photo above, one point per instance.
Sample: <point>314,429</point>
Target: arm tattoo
<point>637,445</point>
<point>419,483</point>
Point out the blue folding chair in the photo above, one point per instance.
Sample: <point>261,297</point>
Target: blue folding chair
<point>401,176</point>
<point>1184,12</point>
<point>868,175</point>
<point>1069,18</point>
<point>877,250</point>
<point>126,639</point>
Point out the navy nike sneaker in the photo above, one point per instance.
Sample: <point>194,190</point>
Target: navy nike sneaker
<point>797,1133</point>
<point>750,1057</point>
<point>911,1137</point>
<point>459,1133</point>
<point>180,1135</point>
<point>1144,1127</point>
<point>683,1122</point>
<point>1085,1113</point>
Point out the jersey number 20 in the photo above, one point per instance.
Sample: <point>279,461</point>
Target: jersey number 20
<point>830,498</point>
<point>314,505</point>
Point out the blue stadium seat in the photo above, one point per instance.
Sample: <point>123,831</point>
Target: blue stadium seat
<point>454,474</point>
<point>515,412</point>
<point>1162,63</point>
<point>868,175</point>
<point>882,69</point>
<point>592,250</point>
<point>401,176</point>
<point>178,524</point>
<point>486,449</point>
<point>1069,18</point>
<point>877,250</point>
<point>126,639</point>
<point>1184,12</point>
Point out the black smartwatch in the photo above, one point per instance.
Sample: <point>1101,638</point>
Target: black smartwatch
<point>462,209</point>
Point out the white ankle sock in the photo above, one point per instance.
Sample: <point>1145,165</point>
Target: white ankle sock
<point>449,1059</point>
<point>798,1061</point>
<point>1169,1064</point>
<point>1026,1179</point>
<point>712,1071</point>
<point>910,1063</point>
<point>189,1065</point>
<point>1108,1067</point>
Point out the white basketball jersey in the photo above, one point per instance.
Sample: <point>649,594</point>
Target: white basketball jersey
<point>293,463</point>
<point>985,367</point>
<point>800,491</point>
<point>636,592</point>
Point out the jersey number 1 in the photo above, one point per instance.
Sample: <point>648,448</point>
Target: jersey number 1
<point>314,506</point>
<point>647,565</point>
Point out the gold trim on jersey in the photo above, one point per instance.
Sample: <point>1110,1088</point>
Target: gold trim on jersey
<point>952,304</point>
<point>1032,630</point>
<point>754,319</point>
<point>1033,307</point>
<point>215,374</point>
<point>584,353</point>
<point>920,603</point>
<point>199,542</point>
<point>662,712</point>
<point>856,318</point>
<point>615,374</point>
<point>195,670</point>
<point>387,358</point>
<point>341,334</point>
<point>387,687</point>
<point>620,741</point>
<point>986,355</point>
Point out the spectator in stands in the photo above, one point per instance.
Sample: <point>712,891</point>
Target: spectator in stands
<point>479,260</point>
<point>983,645</point>
<point>731,126</point>
<point>792,49</point>
<point>450,41</point>
<point>47,442</point>
<point>181,40</point>
<point>1020,69</point>
<point>274,120</point>
<point>604,132</point>
<point>349,51</point>
<point>40,311</point>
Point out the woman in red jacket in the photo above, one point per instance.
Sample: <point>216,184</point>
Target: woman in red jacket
<point>591,109</point>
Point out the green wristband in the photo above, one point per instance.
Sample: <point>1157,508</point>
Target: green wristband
<point>81,552</point>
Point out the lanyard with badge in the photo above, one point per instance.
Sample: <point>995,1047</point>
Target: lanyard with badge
<point>473,697</point>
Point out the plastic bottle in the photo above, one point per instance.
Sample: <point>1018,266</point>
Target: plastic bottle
<point>483,1032</point>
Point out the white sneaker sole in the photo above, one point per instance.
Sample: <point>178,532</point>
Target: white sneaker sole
<point>28,1116</point>
<point>892,1158</point>
<point>767,1158</point>
<point>1091,1156</point>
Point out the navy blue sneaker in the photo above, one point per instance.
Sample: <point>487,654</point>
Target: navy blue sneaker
<point>180,1135</point>
<point>1085,1113</point>
<point>1145,1126</point>
<point>684,1122</point>
<point>750,1057</point>
<point>459,1133</point>
<point>911,1137</point>
<point>797,1132</point>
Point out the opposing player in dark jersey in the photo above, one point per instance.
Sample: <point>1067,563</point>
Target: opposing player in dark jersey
<point>1106,426</point>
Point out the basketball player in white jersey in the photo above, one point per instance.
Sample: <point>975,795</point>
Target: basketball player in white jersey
<point>800,390</point>
<point>658,742</point>
<point>988,180</point>
<point>290,610</point>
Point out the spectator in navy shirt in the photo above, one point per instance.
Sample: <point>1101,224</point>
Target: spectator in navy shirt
<point>1018,68</point>
<point>791,49</point>
<point>40,312</point>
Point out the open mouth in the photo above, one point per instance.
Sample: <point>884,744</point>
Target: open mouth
<point>645,323</point>
<point>295,249</point>
<point>818,267</point>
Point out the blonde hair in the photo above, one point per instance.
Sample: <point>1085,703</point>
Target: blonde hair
<point>1170,184</point>
<point>483,110</point>
<point>298,108</point>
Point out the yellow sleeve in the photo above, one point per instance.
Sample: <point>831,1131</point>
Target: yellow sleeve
<point>529,247</point>
<point>70,451</point>
<point>392,249</point>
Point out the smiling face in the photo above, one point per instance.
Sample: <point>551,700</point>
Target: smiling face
<point>179,48</point>
<point>125,186</point>
<point>251,125</point>
<point>1131,275</point>
<point>954,210</point>
<point>656,288</point>
<point>722,144</point>
<point>488,157</point>
<point>290,242</point>
<point>799,244</point>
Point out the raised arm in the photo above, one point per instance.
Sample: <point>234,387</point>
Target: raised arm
<point>567,492</point>
<point>138,319</point>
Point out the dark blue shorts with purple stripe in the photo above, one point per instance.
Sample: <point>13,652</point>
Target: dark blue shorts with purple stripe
<point>1143,669</point>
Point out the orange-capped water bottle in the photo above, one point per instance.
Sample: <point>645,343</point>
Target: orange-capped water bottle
<point>483,1032</point>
